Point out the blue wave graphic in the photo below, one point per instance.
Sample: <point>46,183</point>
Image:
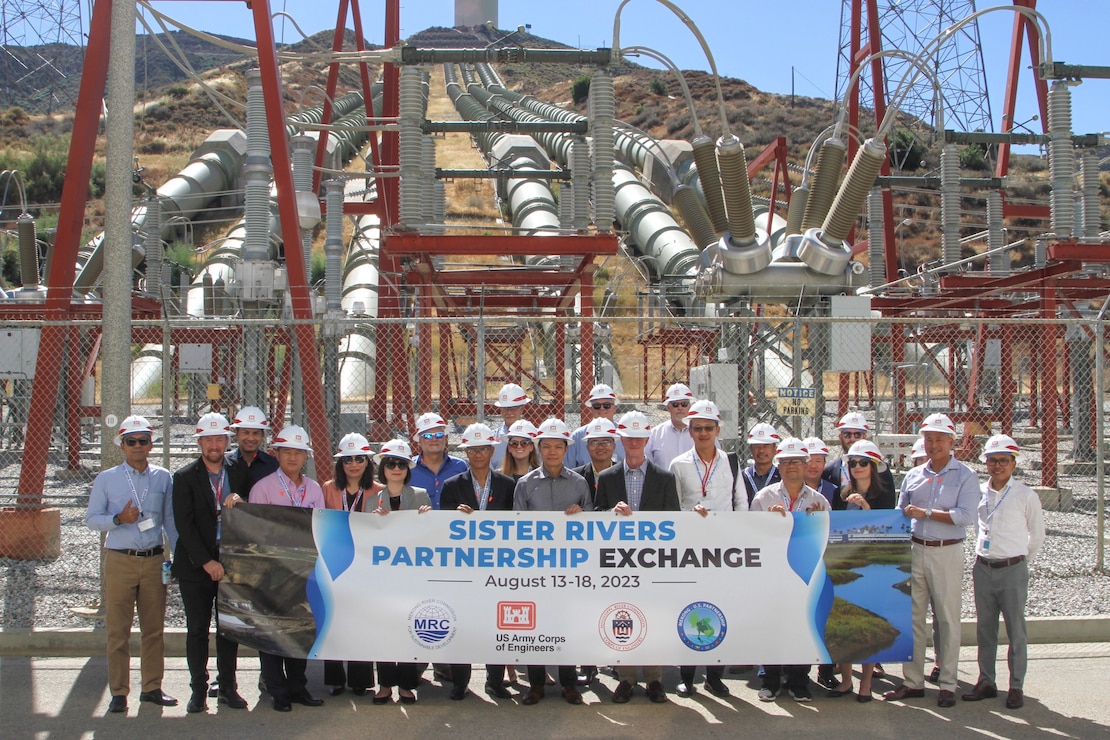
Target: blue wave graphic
<point>432,635</point>
<point>334,541</point>
<point>807,544</point>
<point>318,601</point>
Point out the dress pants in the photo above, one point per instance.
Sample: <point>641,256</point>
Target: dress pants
<point>686,673</point>
<point>284,677</point>
<point>402,675</point>
<point>359,674</point>
<point>936,573</point>
<point>199,598</point>
<point>131,581</point>
<point>1001,591</point>
<point>537,676</point>
<point>461,673</point>
<point>797,677</point>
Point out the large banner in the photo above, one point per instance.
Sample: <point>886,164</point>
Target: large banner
<point>592,588</point>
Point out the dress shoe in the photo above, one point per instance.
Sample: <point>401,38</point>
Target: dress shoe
<point>213,689</point>
<point>118,704</point>
<point>827,677</point>
<point>622,693</point>
<point>359,691</point>
<point>335,690</point>
<point>159,697</point>
<point>198,702</point>
<point>934,675</point>
<point>589,673</point>
<point>458,693</point>
<point>533,697</point>
<point>946,699</point>
<point>656,692</point>
<point>406,697</point>
<point>863,698</point>
<point>903,692</point>
<point>571,694</point>
<point>836,693</point>
<point>497,690</point>
<point>1015,699</point>
<point>383,698</point>
<point>307,699</point>
<point>879,672</point>
<point>232,699</point>
<point>982,690</point>
<point>282,705</point>
<point>716,687</point>
<point>685,689</point>
<point>443,673</point>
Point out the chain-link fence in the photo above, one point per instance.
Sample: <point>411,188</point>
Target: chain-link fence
<point>1042,382</point>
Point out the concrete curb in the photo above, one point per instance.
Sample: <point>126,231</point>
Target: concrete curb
<point>75,643</point>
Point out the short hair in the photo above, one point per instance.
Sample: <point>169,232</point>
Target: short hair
<point>381,471</point>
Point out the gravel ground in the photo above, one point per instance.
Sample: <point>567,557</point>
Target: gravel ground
<point>42,594</point>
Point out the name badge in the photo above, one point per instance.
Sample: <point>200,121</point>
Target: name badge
<point>145,524</point>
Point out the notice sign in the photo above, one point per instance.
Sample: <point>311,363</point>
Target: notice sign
<point>797,402</point>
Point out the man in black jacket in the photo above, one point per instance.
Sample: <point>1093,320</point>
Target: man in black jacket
<point>201,490</point>
<point>478,489</point>
<point>637,484</point>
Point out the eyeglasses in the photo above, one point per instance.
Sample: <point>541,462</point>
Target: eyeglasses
<point>788,461</point>
<point>482,450</point>
<point>852,434</point>
<point>433,435</point>
<point>601,406</point>
<point>354,459</point>
<point>394,462</point>
<point>700,429</point>
<point>599,442</point>
<point>1000,460</point>
<point>857,462</point>
<point>518,443</point>
<point>680,404</point>
<point>136,441</point>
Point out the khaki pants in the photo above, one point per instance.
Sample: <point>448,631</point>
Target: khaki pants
<point>130,580</point>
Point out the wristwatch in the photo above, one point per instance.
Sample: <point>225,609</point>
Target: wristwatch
<point>928,513</point>
<point>115,519</point>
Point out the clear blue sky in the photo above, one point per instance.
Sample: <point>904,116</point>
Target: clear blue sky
<point>755,40</point>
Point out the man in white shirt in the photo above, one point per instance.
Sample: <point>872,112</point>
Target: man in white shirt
<point>669,440</point>
<point>1010,532</point>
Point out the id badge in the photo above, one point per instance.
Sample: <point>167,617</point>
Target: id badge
<point>986,545</point>
<point>145,524</point>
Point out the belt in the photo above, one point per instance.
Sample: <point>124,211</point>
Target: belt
<point>1004,563</point>
<point>140,553</point>
<point>935,543</point>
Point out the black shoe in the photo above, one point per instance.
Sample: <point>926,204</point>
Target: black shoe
<point>933,677</point>
<point>685,689</point>
<point>118,704</point>
<point>384,699</point>
<point>497,690</point>
<point>827,677</point>
<point>656,693</point>
<point>307,699</point>
<point>458,693</point>
<point>159,697</point>
<point>359,691</point>
<point>262,686</point>
<point>213,689</point>
<point>198,702</point>
<point>282,705</point>
<point>335,690</point>
<point>1015,699</point>
<point>589,673</point>
<point>572,695</point>
<point>716,687</point>
<point>409,698</point>
<point>946,699</point>
<point>623,693</point>
<point>232,699</point>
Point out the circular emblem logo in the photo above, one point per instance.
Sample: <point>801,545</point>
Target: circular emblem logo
<point>702,626</point>
<point>432,623</point>
<point>622,626</point>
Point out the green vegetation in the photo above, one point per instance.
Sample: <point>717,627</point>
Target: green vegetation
<point>973,157</point>
<point>580,89</point>
<point>906,152</point>
<point>42,161</point>
<point>657,86</point>
<point>853,634</point>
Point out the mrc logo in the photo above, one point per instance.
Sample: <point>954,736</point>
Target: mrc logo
<point>432,623</point>
<point>516,615</point>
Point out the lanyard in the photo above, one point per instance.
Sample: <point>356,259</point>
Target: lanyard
<point>987,502</point>
<point>139,500</point>
<point>786,499</point>
<point>710,471</point>
<point>749,473</point>
<point>303,490</point>
<point>217,484</point>
<point>354,504</point>
<point>482,492</point>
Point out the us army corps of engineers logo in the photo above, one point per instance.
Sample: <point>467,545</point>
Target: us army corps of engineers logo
<point>622,626</point>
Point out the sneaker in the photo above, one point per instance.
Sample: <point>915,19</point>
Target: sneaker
<point>801,695</point>
<point>767,695</point>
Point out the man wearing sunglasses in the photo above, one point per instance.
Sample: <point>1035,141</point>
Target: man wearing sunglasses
<point>433,465</point>
<point>132,503</point>
<point>603,403</point>
<point>668,441</point>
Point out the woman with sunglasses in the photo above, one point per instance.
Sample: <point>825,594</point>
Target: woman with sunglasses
<point>394,472</point>
<point>352,489</point>
<point>521,454</point>
<point>866,490</point>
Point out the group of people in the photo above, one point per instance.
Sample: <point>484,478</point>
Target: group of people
<point>621,465</point>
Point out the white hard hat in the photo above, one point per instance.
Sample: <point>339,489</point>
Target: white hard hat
<point>430,420</point>
<point>398,448</point>
<point>635,425</point>
<point>600,392</point>
<point>134,424</point>
<point>791,447</point>
<point>353,444</point>
<point>938,423</point>
<point>601,428</point>
<point>477,435</point>
<point>212,425</point>
<point>704,409</point>
<point>853,420</point>
<point>678,392</point>
<point>511,395</point>
<point>554,429</point>
<point>764,434</point>
<point>522,428</point>
<point>250,417</point>
<point>867,449</point>
<point>816,446</point>
<point>918,451</point>
<point>1000,444</point>
<point>293,437</point>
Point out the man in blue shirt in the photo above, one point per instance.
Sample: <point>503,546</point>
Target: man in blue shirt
<point>940,499</point>
<point>433,465</point>
<point>132,503</point>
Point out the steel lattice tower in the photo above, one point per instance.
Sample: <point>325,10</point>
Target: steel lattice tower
<point>958,63</point>
<point>35,37</point>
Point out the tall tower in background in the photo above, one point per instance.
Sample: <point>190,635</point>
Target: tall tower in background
<point>957,64</point>
<point>475,12</point>
<point>37,37</point>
